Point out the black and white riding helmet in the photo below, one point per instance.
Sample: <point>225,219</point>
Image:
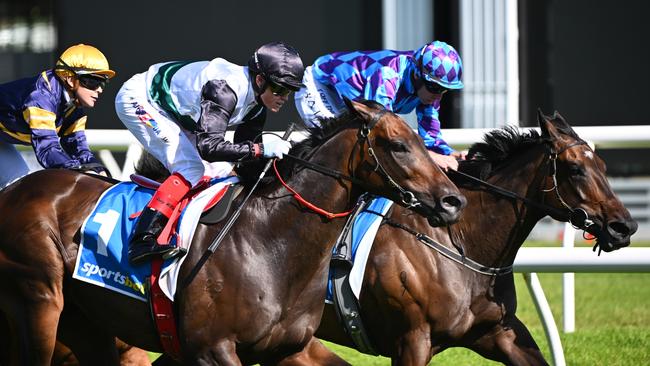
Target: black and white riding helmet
<point>279,63</point>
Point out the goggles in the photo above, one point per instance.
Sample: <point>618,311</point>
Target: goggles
<point>279,90</point>
<point>92,82</point>
<point>435,88</point>
<point>88,81</point>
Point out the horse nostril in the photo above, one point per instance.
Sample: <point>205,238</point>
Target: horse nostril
<point>621,228</point>
<point>453,202</point>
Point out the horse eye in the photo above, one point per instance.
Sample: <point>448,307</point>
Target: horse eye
<point>398,146</point>
<point>576,170</point>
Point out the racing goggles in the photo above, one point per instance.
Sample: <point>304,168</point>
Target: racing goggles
<point>279,90</point>
<point>92,82</point>
<point>435,88</point>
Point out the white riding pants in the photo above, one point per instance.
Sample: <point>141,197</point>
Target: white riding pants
<point>163,138</point>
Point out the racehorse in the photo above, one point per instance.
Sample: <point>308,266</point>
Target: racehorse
<point>415,302</point>
<point>258,298</point>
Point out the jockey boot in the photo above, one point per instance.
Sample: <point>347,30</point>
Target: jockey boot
<point>152,220</point>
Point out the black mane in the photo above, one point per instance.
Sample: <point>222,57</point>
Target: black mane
<point>499,145</point>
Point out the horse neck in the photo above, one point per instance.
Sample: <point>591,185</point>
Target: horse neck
<point>305,231</point>
<point>492,227</point>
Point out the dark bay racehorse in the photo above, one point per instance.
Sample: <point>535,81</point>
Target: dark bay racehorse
<point>257,299</point>
<point>415,302</point>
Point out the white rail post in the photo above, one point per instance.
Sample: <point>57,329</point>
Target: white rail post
<point>544,311</point>
<point>568,285</point>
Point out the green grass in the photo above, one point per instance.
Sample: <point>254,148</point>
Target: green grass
<point>612,321</point>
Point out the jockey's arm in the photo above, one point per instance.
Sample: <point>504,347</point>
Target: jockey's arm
<point>218,101</point>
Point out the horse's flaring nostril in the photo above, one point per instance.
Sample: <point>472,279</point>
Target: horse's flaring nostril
<point>453,202</point>
<point>622,229</point>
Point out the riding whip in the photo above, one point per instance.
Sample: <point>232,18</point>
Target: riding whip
<point>235,215</point>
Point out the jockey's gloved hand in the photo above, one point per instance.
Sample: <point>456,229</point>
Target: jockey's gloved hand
<point>274,146</point>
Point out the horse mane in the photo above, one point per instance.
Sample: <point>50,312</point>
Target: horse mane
<point>500,145</point>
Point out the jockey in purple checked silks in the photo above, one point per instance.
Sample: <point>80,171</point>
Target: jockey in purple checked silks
<point>399,80</point>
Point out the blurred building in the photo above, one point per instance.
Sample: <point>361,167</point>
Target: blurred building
<point>585,58</point>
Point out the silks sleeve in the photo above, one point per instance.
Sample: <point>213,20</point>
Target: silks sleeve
<point>73,140</point>
<point>429,128</point>
<point>45,141</point>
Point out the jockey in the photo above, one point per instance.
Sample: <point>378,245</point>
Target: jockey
<point>46,111</point>
<point>179,111</point>
<point>399,80</point>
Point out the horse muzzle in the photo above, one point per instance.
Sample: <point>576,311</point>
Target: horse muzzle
<point>614,235</point>
<point>446,210</point>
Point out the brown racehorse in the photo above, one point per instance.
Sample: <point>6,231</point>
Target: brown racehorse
<point>415,302</point>
<point>257,299</point>
<point>129,355</point>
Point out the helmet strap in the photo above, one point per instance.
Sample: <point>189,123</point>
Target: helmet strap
<point>258,89</point>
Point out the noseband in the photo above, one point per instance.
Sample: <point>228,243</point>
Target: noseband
<point>408,199</point>
<point>577,217</point>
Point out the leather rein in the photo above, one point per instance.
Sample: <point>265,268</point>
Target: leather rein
<point>407,197</point>
<point>576,216</point>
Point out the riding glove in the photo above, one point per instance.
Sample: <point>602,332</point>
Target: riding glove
<point>274,146</point>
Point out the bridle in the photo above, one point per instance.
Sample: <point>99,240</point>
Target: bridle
<point>407,197</point>
<point>577,217</point>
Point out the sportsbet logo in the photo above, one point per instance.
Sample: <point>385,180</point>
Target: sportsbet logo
<point>117,278</point>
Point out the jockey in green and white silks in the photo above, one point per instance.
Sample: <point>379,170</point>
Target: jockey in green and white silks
<point>399,80</point>
<point>179,111</point>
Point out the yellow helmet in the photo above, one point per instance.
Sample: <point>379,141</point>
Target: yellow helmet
<point>83,59</point>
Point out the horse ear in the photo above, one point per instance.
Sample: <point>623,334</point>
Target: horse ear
<point>543,123</point>
<point>358,109</point>
<point>552,126</point>
<point>557,117</point>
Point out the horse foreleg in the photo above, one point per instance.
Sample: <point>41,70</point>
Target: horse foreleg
<point>33,319</point>
<point>222,353</point>
<point>315,353</point>
<point>91,344</point>
<point>510,343</point>
<point>414,348</point>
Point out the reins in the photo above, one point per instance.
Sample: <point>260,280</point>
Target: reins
<point>306,203</point>
<point>576,216</point>
<point>408,198</point>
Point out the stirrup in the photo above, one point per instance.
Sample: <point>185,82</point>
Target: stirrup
<point>177,252</point>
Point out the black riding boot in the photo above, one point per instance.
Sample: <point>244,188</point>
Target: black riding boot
<point>143,243</point>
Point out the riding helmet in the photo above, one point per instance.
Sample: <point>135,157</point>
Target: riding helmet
<point>440,63</point>
<point>278,63</point>
<point>83,59</point>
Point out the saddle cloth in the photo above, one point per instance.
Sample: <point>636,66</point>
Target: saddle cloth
<point>102,259</point>
<point>364,230</point>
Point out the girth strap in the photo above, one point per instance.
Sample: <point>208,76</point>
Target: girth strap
<point>345,303</point>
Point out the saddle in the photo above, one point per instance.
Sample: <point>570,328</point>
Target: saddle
<point>214,212</point>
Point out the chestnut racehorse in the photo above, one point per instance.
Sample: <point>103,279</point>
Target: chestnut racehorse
<point>415,302</point>
<point>257,299</point>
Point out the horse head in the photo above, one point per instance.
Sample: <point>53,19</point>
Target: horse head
<point>394,154</point>
<point>577,183</point>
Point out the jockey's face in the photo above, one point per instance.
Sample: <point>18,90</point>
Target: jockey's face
<point>426,96</point>
<point>85,96</point>
<point>274,96</point>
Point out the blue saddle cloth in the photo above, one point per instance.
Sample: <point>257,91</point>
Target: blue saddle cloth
<point>103,253</point>
<point>361,233</point>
